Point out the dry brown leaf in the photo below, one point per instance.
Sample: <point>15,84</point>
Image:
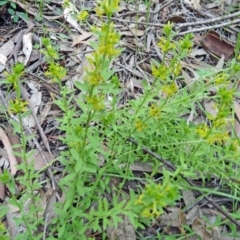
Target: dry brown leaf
<point>125,230</point>
<point>188,79</point>
<point>80,38</point>
<point>164,13</point>
<point>176,19</point>
<point>210,107</point>
<point>38,161</point>
<point>34,56</point>
<point>216,235</point>
<point>133,32</point>
<point>214,44</point>
<point>189,199</point>
<point>194,3</point>
<point>14,139</point>
<point>2,39</point>
<point>199,226</point>
<point>237,128</point>
<point>13,212</point>
<point>68,15</point>
<point>35,102</point>
<point>12,159</point>
<point>237,121</point>
<point>27,47</point>
<point>237,110</point>
<point>197,52</point>
<point>7,48</point>
<point>175,218</point>
<point>220,63</point>
<point>64,47</point>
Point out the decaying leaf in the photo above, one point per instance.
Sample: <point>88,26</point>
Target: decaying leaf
<point>237,109</point>
<point>38,161</point>
<point>189,200</point>
<point>194,3</point>
<point>27,47</point>
<point>213,43</point>
<point>8,147</point>
<point>174,219</point>
<point>176,19</point>
<point>68,11</point>
<point>80,38</point>
<point>13,212</point>
<point>7,48</point>
<point>133,32</point>
<point>199,226</point>
<point>35,101</point>
<point>125,230</point>
<point>3,59</point>
<point>210,107</point>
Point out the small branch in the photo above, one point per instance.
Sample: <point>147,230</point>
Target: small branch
<point>209,27</point>
<point>173,168</point>
<point>203,22</point>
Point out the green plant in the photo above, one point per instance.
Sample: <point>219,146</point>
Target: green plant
<point>30,216</point>
<point>12,10</point>
<point>95,127</point>
<point>3,230</point>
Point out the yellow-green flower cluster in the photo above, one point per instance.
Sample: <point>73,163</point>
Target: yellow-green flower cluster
<point>55,72</point>
<point>235,145</point>
<point>161,72</point>
<point>76,145</point>
<point>186,43</point>
<point>220,138</point>
<point>50,51</point>
<point>169,89</point>
<point>176,68</point>
<point>226,95</point>
<point>107,7</point>
<point>214,134</point>
<point>154,198</point>
<point>168,30</point>
<point>13,79</point>
<point>93,75</point>
<point>166,45</point>
<point>167,73</point>
<point>107,45</point>
<point>154,111</point>
<point>140,125</point>
<point>82,16</point>
<point>221,78</point>
<point>202,130</point>
<point>96,101</point>
<point>17,106</point>
<point>105,51</point>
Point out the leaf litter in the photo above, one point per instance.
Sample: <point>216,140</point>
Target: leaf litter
<point>18,44</point>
